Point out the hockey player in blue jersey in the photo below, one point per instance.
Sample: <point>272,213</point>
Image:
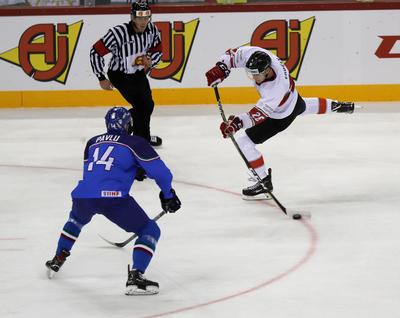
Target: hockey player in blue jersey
<point>110,164</point>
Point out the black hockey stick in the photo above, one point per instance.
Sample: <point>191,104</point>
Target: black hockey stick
<point>294,215</point>
<point>122,244</point>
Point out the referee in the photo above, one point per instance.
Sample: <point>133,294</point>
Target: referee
<point>136,48</point>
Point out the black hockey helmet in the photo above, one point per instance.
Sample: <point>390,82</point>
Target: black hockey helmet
<point>258,62</point>
<point>140,9</point>
<point>118,119</point>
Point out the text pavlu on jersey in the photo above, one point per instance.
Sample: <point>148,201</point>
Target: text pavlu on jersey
<point>107,138</point>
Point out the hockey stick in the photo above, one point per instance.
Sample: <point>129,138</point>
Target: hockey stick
<point>122,244</point>
<point>294,215</point>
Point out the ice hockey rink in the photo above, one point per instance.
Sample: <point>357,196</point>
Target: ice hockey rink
<point>219,256</point>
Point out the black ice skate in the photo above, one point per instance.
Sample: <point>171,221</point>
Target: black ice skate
<point>258,191</point>
<point>342,107</point>
<point>137,284</point>
<point>140,174</point>
<point>55,264</point>
<point>155,141</point>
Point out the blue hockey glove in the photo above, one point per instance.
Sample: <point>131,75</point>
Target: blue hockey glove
<point>170,205</point>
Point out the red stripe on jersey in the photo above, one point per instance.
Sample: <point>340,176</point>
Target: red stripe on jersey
<point>230,52</point>
<point>291,89</point>
<point>100,48</point>
<point>157,48</point>
<point>257,163</point>
<point>322,105</point>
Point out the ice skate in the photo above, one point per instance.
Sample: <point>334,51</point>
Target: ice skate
<point>342,107</point>
<point>137,284</point>
<point>140,174</point>
<point>258,191</point>
<point>54,265</point>
<point>155,141</point>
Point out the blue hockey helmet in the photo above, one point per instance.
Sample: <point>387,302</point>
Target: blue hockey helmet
<point>118,119</point>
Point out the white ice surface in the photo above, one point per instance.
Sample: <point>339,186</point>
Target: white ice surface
<point>219,256</point>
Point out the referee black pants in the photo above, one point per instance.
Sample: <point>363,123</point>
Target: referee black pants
<point>135,88</point>
<point>270,127</point>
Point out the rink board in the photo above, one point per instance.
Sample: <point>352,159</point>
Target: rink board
<point>342,52</point>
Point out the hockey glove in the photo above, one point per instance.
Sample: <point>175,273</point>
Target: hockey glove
<point>170,205</point>
<point>217,74</point>
<point>144,60</point>
<point>233,125</point>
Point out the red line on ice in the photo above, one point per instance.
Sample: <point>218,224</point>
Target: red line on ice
<point>313,239</point>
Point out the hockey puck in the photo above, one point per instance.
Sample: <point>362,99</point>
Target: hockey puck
<point>296,216</point>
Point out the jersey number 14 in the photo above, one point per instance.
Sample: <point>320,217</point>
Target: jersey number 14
<point>105,159</point>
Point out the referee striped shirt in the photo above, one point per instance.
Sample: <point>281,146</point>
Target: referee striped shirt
<point>125,45</point>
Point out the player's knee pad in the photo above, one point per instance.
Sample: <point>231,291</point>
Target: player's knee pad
<point>148,237</point>
<point>151,229</point>
<point>72,228</point>
<point>248,147</point>
<point>244,141</point>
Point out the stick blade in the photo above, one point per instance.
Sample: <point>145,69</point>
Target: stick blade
<point>112,243</point>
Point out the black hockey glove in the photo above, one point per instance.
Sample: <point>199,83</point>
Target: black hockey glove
<point>170,205</point>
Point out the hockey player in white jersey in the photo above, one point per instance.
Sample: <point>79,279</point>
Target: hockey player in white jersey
<point>278,106</point>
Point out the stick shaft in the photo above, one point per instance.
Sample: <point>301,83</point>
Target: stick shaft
<point>124,243</point>
<point>221,110</point>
